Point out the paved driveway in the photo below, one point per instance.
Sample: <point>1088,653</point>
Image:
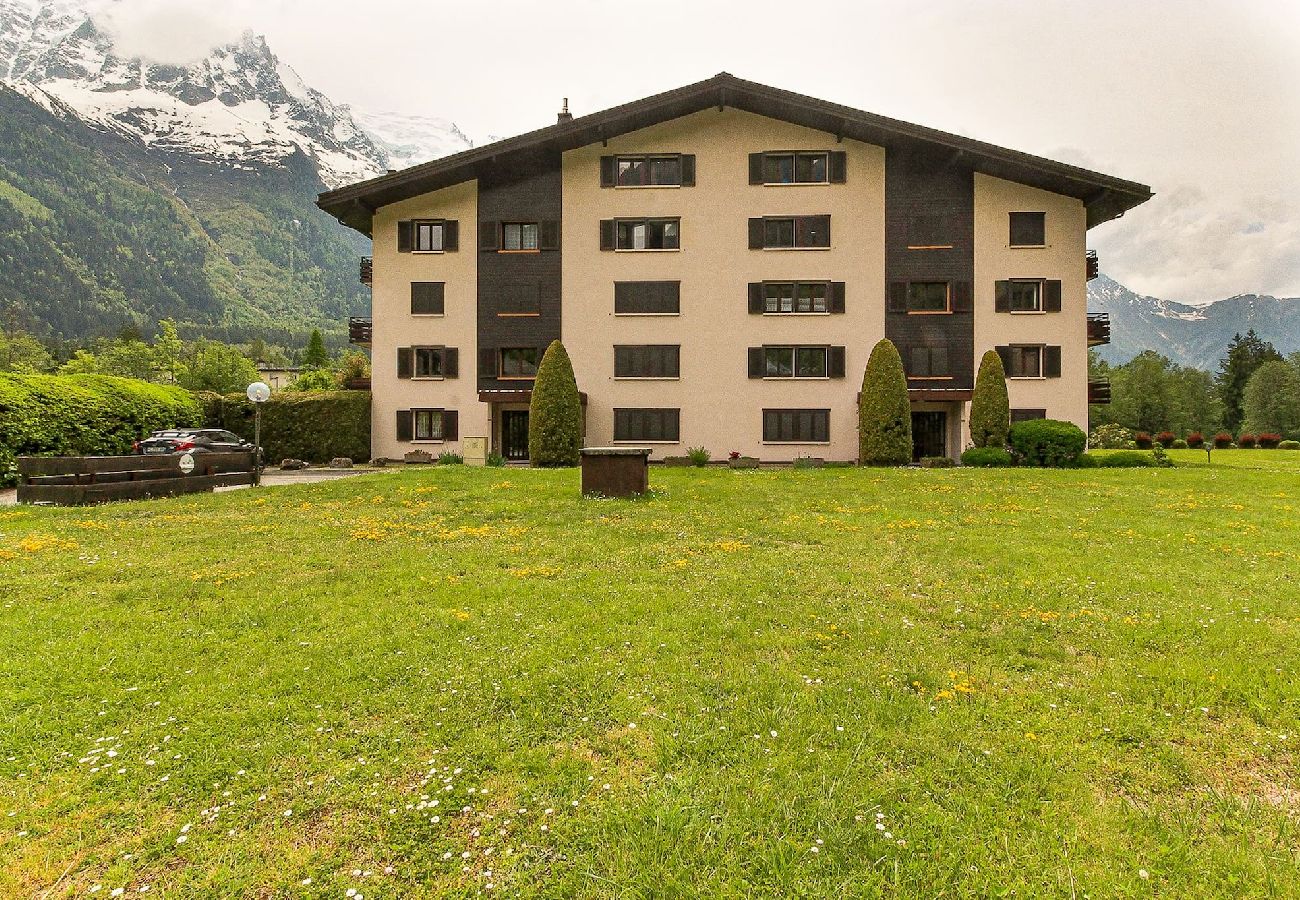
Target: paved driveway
<point>270,478</point>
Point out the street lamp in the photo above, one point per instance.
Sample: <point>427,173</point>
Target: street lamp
<point>259,393</point>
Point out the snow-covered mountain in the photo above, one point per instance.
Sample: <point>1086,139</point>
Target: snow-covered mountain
<point>239,106</point>
<point>1190,335</point>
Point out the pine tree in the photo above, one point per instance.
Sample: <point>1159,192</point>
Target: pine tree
<point>1245,355</point>
<point>990,409</point>
<point>555,413</point>
<point>1271,401</point>
<point>315,357</point>
<point>884,411</point>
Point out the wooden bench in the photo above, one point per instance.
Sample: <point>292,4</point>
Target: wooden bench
<point>81,480</point>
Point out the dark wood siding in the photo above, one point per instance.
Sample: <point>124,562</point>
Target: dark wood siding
<point>527,193</point>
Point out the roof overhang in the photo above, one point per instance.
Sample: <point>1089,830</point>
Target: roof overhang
<point>1104,196</point>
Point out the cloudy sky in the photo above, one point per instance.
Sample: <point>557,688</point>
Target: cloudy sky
<point>1198,98</point>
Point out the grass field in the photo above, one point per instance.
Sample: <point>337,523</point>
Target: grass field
<point>820,683</point>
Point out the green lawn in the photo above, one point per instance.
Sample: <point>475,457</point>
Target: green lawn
<point>819,683</point>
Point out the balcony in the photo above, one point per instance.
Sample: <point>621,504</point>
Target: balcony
<point>360,331</point>
<point>367,270</point>
<point>1094,266</point>
<point>1099,390</point>
<point>1098,329</point>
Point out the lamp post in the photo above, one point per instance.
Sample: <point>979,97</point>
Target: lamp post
<point>259,393</point>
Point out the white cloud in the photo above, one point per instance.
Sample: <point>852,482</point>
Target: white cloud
<point>170,31</point>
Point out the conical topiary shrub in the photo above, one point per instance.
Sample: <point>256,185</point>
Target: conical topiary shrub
<point>555,414</point>
<point>884,412</point>
<point>990,410</point>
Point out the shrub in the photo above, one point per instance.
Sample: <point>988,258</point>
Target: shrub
<point>990,410</point>
<point>314,380</point>
<point>450,459</point>
<point>312,425</point>
<point>699,456</point>
<point>1195,440</point>
<point>1047,442</point>
<point>1222,441</point>
<point>884,411</point>
<point>1126,459</point>
<point>1143,441</point>
<point>986,457</point>
<point>496,460</point>
<point>1246,441</point>
<point>82,415</point>
<point>1161,458</point>
<point>1166,439</point>
<point>1289,445</point>
<point>1269,440</point>
<point>1179,444</point>
<point>939,462</point>
<point>1085,461</point>
<point>555,414</point>
<point>1110,437</point>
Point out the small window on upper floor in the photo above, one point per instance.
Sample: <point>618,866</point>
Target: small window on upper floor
<point>643,171</point>
<point>795,168</point>
<point>519,236</point>
<point>648,234</point>
<point>1028,229</point>
<point>927,297</point>
<point>427,237</point>
<point>789,232</point>
<point>519,362</point>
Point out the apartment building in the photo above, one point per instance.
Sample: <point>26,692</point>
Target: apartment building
<point>719,261</point>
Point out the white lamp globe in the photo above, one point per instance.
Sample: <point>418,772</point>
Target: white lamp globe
<point>258,392</point>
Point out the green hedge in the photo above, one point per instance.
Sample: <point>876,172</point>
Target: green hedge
<point>986,457</point>
<point>1047,442</point>
<point>84,415</point>
<point>315,426</point>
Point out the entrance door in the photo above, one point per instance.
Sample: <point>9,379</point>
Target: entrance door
<point>929,434</point>
<point>514,434</point>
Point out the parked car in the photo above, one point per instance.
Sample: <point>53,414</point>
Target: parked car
<point>192,440</point>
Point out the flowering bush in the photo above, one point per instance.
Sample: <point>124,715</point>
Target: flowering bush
<point>1110,437</point>
<point>734,454</point>
<point>1222,440</point>
<point>1195,440</point>
<point>1246,441</point>
<point>1166,439</point>
<point>1143,440</point>
<point>1269,440</point>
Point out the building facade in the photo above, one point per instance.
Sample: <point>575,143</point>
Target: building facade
<point>719,261</point>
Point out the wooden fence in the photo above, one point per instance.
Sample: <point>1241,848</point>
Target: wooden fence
<point>81,480</point>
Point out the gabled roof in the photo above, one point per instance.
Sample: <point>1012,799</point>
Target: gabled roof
<point>1104,196</point>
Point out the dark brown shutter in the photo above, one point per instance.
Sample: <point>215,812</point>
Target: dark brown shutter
<point>755,169</point>
<point>835,362</point>
<point>487,362</point>
<point>838,168</point>
<point>404,237</point>
<point>549,238</point>
<point>1052,362</point>
<point>1002,296</point>
<point>756,304</point>
<point>824,228</point>
<point>450,362</point>
<point>1052,296</point>
<point>405,425</point>
<point>450,425</point>
<point>919,365</point>
<point>756,233</point>
<point>607,234</point>
<point>898,296</point>
<point>450,235</point>
<point>608,170</point>
<point>489,236</point>
<point>404,362</point>
<point>961,296</point>
<point>837,296</point>
<point>427,297</point>
<point>1005,354</point>
<point>688,170</point>
<point>755,362</point>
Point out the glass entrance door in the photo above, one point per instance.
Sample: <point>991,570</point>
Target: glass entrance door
<point>514,434</point>
<point>929,434</point>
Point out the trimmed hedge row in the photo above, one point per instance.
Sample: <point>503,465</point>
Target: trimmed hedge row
<point>315,426</point>
<point>84,415</point>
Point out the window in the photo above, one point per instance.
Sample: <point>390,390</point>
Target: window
<point>790,232</point>
<point>648,234</point>
<point>428,237</point>
<point>927,296</point>
<point>428,362</point>
<point>797,426</point>
<point>1025,296</point>
<point>928,362</point>
<point>428,424</point>
<point>1027,415</point>
<point>647,361</point>
<point>1024,362</point>
<point>795,168</point>
<point>795,297</point>
<point>519,362</point>
<point>647,298</point>
<point>519,236</point>
<point>647,425</point>
<point>1028,229</point>
<point>427,298</point>
<point>795,362</point>
<point>644,171</point>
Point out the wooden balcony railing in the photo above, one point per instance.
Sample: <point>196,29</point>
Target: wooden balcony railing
<point>1094,266</point>
<point>360,331</point>
<point>1099,390</point>
<point>367,269</point>
<point>1098,329</point>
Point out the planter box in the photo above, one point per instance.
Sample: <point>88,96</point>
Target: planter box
<point>745,462</point>
<point>615,471</point>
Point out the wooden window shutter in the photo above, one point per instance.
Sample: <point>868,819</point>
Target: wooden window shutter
<point>487,362</point>
<point>756,304</point>
<point>755,169</point>
<point>607,234</point>
<point>549,237</point>
<point>837,297</point>
<point>608,168</point>
<point>961,296</point>
<point>824,228</point>
<point>919,361</point>
<point>405,425</point>
<point>939,361</point>
<point>835,362</point>
<point>450,425</point>
<point>1052,362</point>
<point>755,362</point>
<point>688,170</point>
<point>898,296</point>
<point>1004,353</point>
<point>837,169</point>
<point>404,362</point>
<point>450,362</point>
<point>1052,296</point>
<point>450,235</point>
<point>756,232</point>
<point>427,297</point>
<point>1002,296</point>
<point>489,236</point>
<point>404,230</point>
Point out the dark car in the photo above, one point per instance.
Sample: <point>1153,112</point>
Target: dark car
<point>192,440</point>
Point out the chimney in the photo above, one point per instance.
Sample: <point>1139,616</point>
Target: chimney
<point>564,114</point>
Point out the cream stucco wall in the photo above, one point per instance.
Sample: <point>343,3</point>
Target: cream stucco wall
<point>720,405</point>
<point>395,326</point>
<point>1061,258</point>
